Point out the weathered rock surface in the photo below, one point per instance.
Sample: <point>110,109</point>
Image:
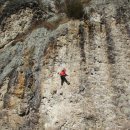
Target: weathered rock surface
<point>37,41</point>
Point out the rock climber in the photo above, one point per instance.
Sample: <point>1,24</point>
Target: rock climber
<point>63,76</point>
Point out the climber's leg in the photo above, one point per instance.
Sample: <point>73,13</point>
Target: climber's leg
<point>62,80</point>
<point>66,81</point>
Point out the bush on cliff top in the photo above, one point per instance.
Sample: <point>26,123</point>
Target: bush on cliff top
<point>74,8</point>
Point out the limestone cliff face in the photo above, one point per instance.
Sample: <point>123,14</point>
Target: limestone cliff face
<point>37,40</point>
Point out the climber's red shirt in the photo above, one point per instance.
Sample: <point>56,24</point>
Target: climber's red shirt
<point>63,73</point>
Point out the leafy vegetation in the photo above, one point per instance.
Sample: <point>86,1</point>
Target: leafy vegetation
<point>74,8</point>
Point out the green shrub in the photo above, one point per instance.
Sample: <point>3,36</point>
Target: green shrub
<point>74,8</point>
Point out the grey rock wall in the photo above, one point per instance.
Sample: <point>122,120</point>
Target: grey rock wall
<point>37,41</point>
